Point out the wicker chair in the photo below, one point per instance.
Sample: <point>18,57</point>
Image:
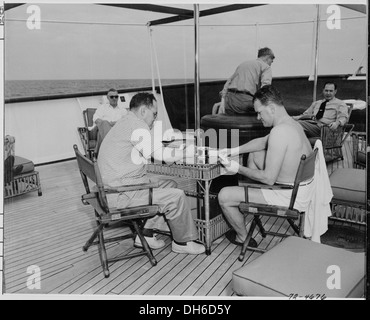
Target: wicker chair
<point>20,176</point>
<point>333,140</point>
<point>359,149</point>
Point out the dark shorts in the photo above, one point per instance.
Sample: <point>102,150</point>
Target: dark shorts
<point>238,103</point>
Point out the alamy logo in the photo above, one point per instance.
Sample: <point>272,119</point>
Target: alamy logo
<point>34,20</point>
<point>333,21</point>
<point>334,280</point>
<point>34,280</point>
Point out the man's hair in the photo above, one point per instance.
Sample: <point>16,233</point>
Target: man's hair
<point>330,82</point>
<point>111,90</point>
<point>142,99</point>
<point>268,94</point>
<point>265,52</point>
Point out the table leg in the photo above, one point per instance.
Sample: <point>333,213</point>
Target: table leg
<point>206,214</point>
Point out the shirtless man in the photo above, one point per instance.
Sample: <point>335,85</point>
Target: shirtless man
<point>273,158</point>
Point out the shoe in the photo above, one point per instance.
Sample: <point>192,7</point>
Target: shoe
<point>231,236</point>
<point>190,248</point>
<point>153,242</point>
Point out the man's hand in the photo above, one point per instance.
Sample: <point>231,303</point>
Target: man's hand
<point>224,152</point>
<point>334,125</point>
<point>230,165</point>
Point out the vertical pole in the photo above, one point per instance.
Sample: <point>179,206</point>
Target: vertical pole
<point>316,52</point>
<point>196,70</point>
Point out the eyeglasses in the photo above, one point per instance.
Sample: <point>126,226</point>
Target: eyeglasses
<point>113,97</point>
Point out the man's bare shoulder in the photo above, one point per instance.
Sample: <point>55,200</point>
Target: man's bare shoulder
<point>285,128</point>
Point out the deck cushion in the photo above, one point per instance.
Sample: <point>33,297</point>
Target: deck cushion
<point>241,127</point>
<point>348,185</point>
<point>223,121</point>
<point>300,266</point>
<point>28,165</point>
<point>361,157</point>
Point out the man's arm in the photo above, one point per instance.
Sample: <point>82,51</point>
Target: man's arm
<point>276,150</point>
<point>98,115</point>
<point>266,77</point>
<point>342,115</point>
<point>257,144</point>
<point>227,84</point>
<point>309,113</point>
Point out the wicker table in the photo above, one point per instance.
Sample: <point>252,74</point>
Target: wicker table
<point>209,228</point>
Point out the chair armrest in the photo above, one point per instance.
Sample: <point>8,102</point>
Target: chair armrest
<point>142,186</point>
<point>348,127</point>
<point>83,133</point>
<point>88,196</point>
<point>265,186</point>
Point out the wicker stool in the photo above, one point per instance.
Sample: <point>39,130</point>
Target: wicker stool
<point>298,268</point>
<point>27,180</point>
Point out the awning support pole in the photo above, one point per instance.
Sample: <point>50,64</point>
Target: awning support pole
<point>316,52</point>
<point>196,69</point>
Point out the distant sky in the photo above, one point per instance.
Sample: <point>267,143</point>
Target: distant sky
<point>90,41</point>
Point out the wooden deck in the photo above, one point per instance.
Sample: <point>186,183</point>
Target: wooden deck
<point>47,233</point>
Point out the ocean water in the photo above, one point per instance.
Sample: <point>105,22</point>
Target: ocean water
<point>37,88</point>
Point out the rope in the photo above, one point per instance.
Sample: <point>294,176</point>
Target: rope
<point>151,56</point>
<point>153,50</point>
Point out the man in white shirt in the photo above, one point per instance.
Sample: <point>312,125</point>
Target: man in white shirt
<point>329,111</point>
<point>107,115</point>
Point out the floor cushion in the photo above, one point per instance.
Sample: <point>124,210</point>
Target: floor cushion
<point>28,165</point>
<point>300,268</point>
<point>348,185</point>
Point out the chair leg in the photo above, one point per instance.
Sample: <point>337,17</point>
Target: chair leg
<point>92,238</point>
<point>103,255</point>
<point>146,247</point>
<point>295,228</point>
<point>260,226</point>
<point>247,239</point>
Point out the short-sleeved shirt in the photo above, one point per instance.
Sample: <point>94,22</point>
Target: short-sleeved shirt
<point>335,110</point>
<point>107,112</point>
<point>251,76</point>
<point>124,152</point>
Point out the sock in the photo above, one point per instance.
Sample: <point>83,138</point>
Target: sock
<point>180,243</point>
<point>148,233</point>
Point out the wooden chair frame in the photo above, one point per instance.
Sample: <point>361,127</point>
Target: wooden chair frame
<point>88,136</point>
<point>305,172</point>
<point>105,216</point>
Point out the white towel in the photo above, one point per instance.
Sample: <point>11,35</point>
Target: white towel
<point>316,218</point>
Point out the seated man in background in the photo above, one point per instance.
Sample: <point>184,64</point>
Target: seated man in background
<point>122,161</point>
<point>106,115</point>
<point>249,76</point>
<point>329,111</point>
<point>272,159</point>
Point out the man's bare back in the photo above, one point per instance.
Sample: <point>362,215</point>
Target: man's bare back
<point>287,142</point>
